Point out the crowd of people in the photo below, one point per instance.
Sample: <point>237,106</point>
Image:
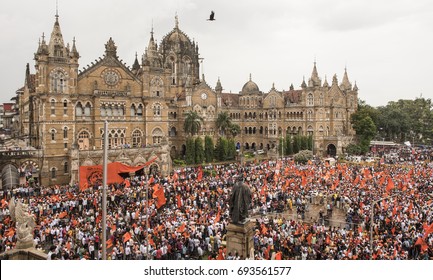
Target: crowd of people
<point>388,213</point>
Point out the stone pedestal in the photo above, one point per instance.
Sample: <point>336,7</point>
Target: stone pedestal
<point>23,254</point>
<point>239,238</point>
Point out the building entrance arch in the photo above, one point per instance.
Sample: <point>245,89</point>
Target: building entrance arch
<point>331,150</point>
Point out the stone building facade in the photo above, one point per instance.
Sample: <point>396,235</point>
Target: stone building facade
<point>63,109</point>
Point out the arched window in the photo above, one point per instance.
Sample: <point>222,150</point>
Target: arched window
<point>58,82</point>
<point>140,110</point>
<point>87,109</point>
<point>53,173</point>
<point>157,135</point>
<point>310,99</point>
<point>83,140</point>
<point>53,134</point>
<point>173,131</point>
<point>79,110</point>
<point>65,107</point>
<point>310,115</point>
<point>133,110</point>
<point>157,110</point>
<point>65,133</point>
<point>53,106</point>
<point>65,167</point>
<point>136,138</point>
<point>321,102</point>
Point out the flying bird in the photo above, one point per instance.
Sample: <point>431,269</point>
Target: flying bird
<point>212,16</point>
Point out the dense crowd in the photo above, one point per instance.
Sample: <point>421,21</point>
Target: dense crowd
<point>189,220</point>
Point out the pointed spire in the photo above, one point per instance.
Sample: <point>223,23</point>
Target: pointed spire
<point>218,87</point>
<point>176,22</point>
<point>355,87</point>
<point>250,77</point>
<point>57,11</point>
<point>314,80</point>
<point>291,87</point>
<point>136,65</point>
<point>74,52</point>
<point>42,48</point>
<point>334,80</point>
<point>56,46</point>
<point>303,85</point>
<point>273,86</point>
<point>345,84</point>
<point>325,83</point>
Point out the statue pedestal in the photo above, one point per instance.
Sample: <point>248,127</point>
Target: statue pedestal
<point>239,238</point>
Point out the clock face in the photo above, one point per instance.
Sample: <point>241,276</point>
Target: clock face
<point>111,78</point>
<point>203,96</point>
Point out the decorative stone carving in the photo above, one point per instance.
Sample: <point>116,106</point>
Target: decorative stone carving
<point>25,223</point>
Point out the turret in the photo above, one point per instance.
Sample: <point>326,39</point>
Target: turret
<point>345,84</point>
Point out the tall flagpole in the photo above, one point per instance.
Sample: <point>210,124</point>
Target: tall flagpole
<point>104,193</point>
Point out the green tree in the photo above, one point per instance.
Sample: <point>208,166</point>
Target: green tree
<point>303,142</point>
<point>208,149</point>
<point>192,123</point>
<point>310,142</point>
<point>296,144</point>
<point>223,122</point>
<point>199,150</point>
<point>231,149</point>
<point>190,151</point>
<point>234,129</point>
<point>221,149</point>
<point>281,146</point>
<point>289,145</point>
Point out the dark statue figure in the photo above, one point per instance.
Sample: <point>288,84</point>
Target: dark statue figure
<point>240,202</point>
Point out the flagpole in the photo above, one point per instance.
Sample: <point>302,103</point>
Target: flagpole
<point>104,193</point>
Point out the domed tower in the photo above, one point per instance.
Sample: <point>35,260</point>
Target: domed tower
<point>250,87</point>
<point>180,55</point>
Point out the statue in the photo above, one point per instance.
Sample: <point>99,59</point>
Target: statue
<point>240,201</point>
<point>24,222</point>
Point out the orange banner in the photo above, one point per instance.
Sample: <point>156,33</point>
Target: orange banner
<point>91,175</point>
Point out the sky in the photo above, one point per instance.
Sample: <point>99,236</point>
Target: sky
<point>385,45</point>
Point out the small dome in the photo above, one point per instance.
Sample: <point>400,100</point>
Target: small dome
<point>250,87</point>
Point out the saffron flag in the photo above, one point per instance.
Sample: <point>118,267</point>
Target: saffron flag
<point>126,237</point>
<point>390,185</point>
<point>428,230</point>
<point>200,175</point>
<point>160,197</point>
<point>63,214</point>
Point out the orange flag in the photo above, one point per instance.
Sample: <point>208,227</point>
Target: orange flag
<point>356,181</point>
<point>109,243</point>
<point>304,181</point>
<point>127,183</point>
<point>218,217</point>
<point>160,197</point>
<point>126,237</point>
<point>181,228</point>
<point>423,244</point>
<point>63,214</point>
<point>179,201</point>
<point>428,230</point>
<point>390,185</point>
<point>200,175</point>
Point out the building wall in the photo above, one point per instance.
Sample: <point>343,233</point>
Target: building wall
<point>64,109</point>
